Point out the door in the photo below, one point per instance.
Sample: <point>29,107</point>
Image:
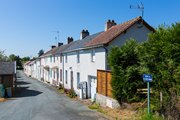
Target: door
<point>71,80</point>
<point>93,88</point>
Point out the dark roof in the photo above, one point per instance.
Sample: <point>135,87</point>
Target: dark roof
<point>50,52</point>
<point>7,68</point>
<point>106,37</point>
<point>80,43</point>
<point>62,48</point>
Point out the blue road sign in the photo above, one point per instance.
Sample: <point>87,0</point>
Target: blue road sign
<point>147,77</point>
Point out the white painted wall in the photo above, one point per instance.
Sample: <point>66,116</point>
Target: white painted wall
<point>85,67</point>
<point>138,32</point>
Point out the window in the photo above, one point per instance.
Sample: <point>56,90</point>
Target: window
<point>78,79</point>
<point>50,72</point>
<point>54,74</point>
<point>66,76</point>
<point>93,55</point>
<point>50,58</point>
<point>54,58</point>
<point>66,59</point>
<point>78,58</point>
<point>57,71</point>
<point>60,74</point>
<point>60,58</point>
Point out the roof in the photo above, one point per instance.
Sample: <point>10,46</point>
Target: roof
<point>7,68</point>
<point>50,52</point>
<point>63,48</point>
<point>80,43</point>
<point>106,37</point>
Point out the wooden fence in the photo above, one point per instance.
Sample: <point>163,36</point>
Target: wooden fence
<point>104,83</point>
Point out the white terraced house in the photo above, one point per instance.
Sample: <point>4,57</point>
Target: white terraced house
<point>78,61</point>
<point>84,57</point>
<point>50,66</point>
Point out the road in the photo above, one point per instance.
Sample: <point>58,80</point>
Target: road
<point>35,100</point>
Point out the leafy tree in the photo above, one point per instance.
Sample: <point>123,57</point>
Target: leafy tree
<point>2,56</point>
<point>160,56</point>
<point>126,78</point>
<point>41,52</point>
<point>18,60</point>
<point>25,59</point>
<point>12,57</point>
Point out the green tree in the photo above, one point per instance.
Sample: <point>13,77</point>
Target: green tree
<point>12,57</point>
<point>25,59</point>
<point>18,60</point>
<point>2,56</point>
<point>41,52</point>
<point>126,78</point>
<point>160,56</point>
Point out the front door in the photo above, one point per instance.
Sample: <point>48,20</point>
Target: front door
<point>93,89</point>
<point>71,80</point>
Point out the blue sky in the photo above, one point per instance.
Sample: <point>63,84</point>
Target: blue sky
<point>26,26</point>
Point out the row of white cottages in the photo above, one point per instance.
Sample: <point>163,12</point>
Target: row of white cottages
<point>77,62</point>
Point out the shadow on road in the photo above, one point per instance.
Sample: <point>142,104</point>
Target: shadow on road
<point>21,83</point>
<point>25,92</point>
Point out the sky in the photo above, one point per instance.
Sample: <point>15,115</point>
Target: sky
<point>26,26</point>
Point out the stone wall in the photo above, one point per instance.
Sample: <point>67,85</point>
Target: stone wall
<point>106,101</point>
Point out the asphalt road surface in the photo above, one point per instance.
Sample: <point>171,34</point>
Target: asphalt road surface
<point>35,100</point>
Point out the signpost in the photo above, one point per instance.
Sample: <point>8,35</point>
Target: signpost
<point>148,78</point>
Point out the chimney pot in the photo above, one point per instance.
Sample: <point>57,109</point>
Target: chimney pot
<point>109,24</point>
<point>69,40</point>
<point>84,34</point>
<point>53,46</point>
<point>59,44</point>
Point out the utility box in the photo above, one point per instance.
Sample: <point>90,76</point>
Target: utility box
<point>83,90</point>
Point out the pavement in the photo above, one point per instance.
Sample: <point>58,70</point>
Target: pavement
<point>35,100</point>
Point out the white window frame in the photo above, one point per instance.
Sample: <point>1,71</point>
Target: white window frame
<point>66,58</point>
<point>93,55</point>
<point>66,76</point>
<point>78,79</point>
<point>78,57</point>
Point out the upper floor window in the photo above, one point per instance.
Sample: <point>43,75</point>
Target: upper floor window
<point>78,57</point>
<point>93,55</point>
<point>54,58</point>
<point>60,58</point>
<point>66,58</point>
<point>50,58</point>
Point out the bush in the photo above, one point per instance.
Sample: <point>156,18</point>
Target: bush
<point>72,93</point>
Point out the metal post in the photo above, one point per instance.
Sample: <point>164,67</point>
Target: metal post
<point>148,97</point>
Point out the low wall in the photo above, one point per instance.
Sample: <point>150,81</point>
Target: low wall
<point>106,101</point>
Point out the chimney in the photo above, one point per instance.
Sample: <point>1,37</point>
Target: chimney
<point>109,24</point>
<point>84,33</point>
<point>69,40</point>
<point>59,44</point>
<point>53,46</point>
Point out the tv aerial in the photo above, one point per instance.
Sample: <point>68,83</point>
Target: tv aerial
<point>140,7</point>
<point>56,37</point>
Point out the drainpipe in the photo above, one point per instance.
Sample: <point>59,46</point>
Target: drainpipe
<point>106,55</point>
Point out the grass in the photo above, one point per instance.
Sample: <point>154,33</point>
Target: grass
<point>97,107</point>
<point>145,116</point>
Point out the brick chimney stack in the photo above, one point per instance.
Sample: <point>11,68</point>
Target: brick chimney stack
<point>69,40</point>
<point>53,46</point>
<point>84,33</point>
<point>59,44</point>
<point>109,24</point>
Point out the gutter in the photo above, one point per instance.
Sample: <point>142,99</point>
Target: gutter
<point>95,46</point>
